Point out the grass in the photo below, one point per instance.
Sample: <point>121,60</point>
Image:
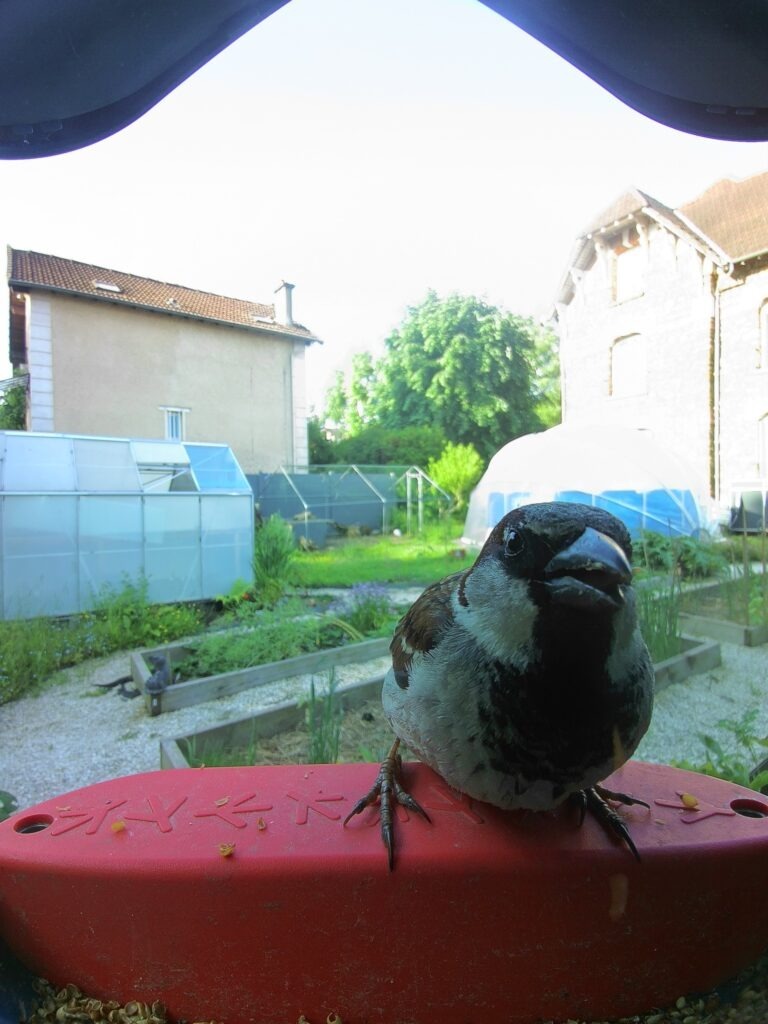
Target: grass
<point>418,560</point>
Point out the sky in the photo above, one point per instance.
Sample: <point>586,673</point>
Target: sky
<point>366,151</point>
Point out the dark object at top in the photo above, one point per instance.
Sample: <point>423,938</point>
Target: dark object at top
<point>75,72</point>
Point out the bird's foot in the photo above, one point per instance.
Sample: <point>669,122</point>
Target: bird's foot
<point>389,790</point>
<point>596,800</point>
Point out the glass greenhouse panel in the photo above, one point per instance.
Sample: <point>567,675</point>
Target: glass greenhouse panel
<point>227,541</point>
<point>105,465</point>
<point>216,468</point>
<point>172,547</point>
<point>38,463</point>
<point>39,564</point>
<point>110,548</point>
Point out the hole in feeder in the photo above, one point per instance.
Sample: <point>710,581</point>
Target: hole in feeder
<point>33,823</point>
<point>749,808</point>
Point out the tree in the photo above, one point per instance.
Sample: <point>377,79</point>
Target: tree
<point>13,408</point>
<point>463,366</point>
<point>546,375</point>
<point>351,399</point>
<point>457,471</point>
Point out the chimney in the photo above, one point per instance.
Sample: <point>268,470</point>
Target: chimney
<point>285,314</point>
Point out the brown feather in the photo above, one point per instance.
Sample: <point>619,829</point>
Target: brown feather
<point>420,628</point>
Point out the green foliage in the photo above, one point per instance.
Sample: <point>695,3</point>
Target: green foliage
<point>322,452</point>
<point>470,371</point>
<point>377,445</point>
<point>324,715</point>
<point>658,609</point>
<point>13,409</point>
<point>351,401</point>
<point>463,366</point>
<point>273,637</point>
<point>240,592</point>
<point>545,364</point>
<point>32,650</point>
<point>735,767</point>
<point>273,554</point>
<point>8,804</point>
<point>367,609</point>
<point>219,755</point>
<point>693,558</point>
<point>457,471</point>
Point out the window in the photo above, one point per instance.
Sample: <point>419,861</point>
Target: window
<point>175,423</point>
<point>761,351</point>
<point>629,367</point>
<point>630,258</point>
<point>762,450</point>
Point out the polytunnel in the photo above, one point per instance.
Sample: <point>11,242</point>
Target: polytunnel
<point>619,469</point>
<point>82,515</point>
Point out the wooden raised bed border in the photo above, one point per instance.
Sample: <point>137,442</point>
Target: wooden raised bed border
<point>196,691</point>
<point>279,718</point>
<point>724,630</point>
<point>696,657</point>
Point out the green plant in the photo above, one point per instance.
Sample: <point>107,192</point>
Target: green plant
<point>457,471</point>
<point>13,407</point>
<point>735,766</point>
<point>273,554</point>
<point>366,609</point>
<point>32,650</point>
<point>658,609</point>
<point>240,591</point>
<point>8,804</point>
<point>323,715</point>
<point>272,638</point>
<point>220,755</point>
<point>691,557</point>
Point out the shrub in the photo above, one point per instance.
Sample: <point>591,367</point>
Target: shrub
<point>692,557</point>
<point>457,471</point>
<point>273,555</point>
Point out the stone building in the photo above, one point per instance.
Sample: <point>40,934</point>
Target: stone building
<point>663,324</point>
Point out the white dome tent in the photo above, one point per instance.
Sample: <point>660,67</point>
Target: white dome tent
<point>619,469</point>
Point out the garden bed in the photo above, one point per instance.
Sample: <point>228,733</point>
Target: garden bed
<point>722,612</point>
<point>244,734</point>
<point>196,691</point>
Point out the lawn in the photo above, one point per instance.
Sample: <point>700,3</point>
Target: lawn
<point>418,560</point>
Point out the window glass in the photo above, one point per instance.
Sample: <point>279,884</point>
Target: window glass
<point>629,366</point>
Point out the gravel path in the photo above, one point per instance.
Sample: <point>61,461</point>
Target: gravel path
<point>73,734</point>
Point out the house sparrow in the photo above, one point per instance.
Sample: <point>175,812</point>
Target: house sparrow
<point>523,680</point>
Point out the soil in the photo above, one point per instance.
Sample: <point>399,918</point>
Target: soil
<point>366,735</point>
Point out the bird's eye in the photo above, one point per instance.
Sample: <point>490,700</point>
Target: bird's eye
<point>513,543</point>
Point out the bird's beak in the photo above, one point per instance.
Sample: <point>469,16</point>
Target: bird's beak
<point>590,573</point>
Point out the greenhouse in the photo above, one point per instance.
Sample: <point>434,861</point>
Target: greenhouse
<point>80,516</point>
<point>616,468</point>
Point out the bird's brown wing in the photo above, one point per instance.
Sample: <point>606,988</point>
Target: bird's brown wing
<point>420,628</point>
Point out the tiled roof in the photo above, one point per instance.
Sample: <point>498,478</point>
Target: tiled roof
<point>631,201</point>
<point>40,271</point>
<point>734,214</point>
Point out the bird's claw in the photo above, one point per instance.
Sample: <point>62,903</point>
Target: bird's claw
<point>389,791</point>
<point>596,800</point>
